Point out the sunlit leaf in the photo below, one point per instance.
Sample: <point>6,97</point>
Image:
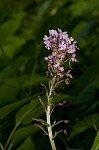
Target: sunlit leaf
<point>96,142</point>
<point>4,111</point>
<point>32,107</point>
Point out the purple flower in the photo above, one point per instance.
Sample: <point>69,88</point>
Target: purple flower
<point>47,42</point>
<point>71,49</point>
<point>62,47</point>
<point>59,40</point>
<point>46,58</point>
<point>73,59</point>
<point>53,33</point>
<point>61,69</point>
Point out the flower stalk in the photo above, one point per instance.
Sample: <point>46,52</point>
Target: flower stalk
<point>48,115</point>
<point>63,50</point>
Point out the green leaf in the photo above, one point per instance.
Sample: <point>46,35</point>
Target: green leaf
<point>27,145</point>
<point>84,124</point>
<point>86,94</point>
<point>9,71</point>
<point>29,111</point>
<point>77,30</point>
<point>11,45</point>
<point>18,121</point>
<point>43,8</point>
<point>34,109</point>
<point>22,133</point>
<point>4,111</point>
<point>96,142</point>
<point>79,8</point>
<point>9,27</point>
<point>10,86</point>
<point>35,79</point>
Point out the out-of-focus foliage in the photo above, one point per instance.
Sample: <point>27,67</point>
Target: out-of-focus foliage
<point>22,68</point>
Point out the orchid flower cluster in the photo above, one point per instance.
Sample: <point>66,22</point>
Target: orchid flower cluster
<point>63,50</point>
<point>62,46</point>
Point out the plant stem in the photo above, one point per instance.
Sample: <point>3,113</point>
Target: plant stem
<point>9,138</point>
<point>11,134</point>
<point>50,134</point>
<point>2,148</point>
<point>48,116</point>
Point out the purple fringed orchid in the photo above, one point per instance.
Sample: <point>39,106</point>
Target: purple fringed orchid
<point>63,50</point>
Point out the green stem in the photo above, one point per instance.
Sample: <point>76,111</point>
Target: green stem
<point>48,116</point>
<point>50,134</point>
<point>2,148</point>
<point>10,136</point>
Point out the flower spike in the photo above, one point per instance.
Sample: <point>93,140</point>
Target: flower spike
<point>63,50</point>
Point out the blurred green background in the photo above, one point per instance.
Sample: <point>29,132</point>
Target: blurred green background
<point>23,25</point>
